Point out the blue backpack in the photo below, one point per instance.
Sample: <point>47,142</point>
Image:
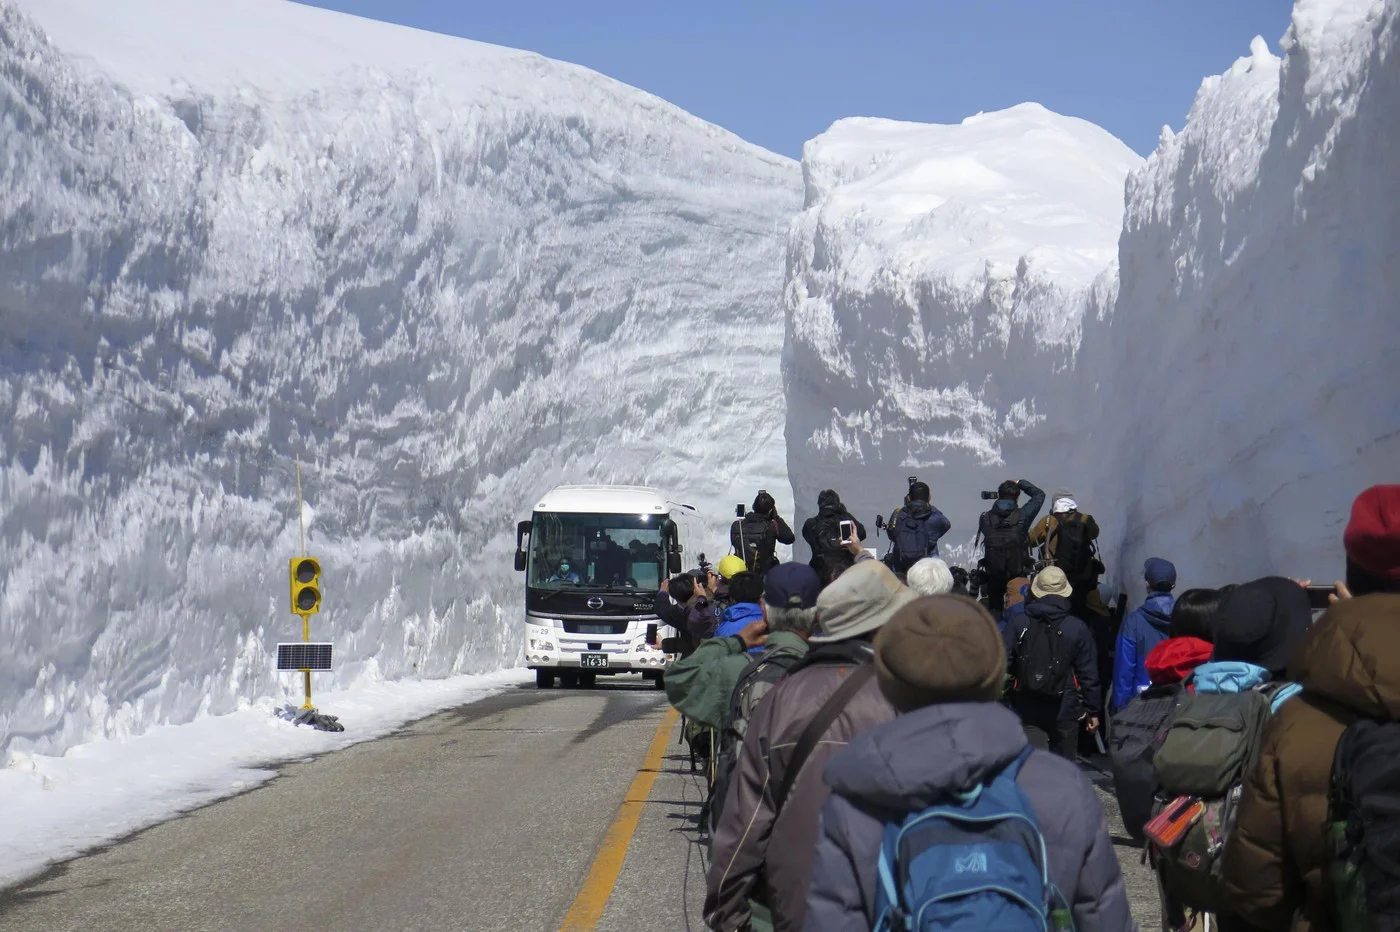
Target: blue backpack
<point>911,540</point>
<point>974,862</point>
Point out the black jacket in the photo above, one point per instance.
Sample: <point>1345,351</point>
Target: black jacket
<point>1083,695</point>
<point>1005,506</point>
<point>765,530</point>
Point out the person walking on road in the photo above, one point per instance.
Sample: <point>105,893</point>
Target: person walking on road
<point>1050,654</point>
<point>761,859</point>
<point>939,662</point>
<point>1143,629</point>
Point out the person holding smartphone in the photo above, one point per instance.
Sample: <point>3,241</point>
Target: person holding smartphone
<point>829,533</point>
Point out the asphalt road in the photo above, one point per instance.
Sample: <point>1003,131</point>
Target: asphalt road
<point>486,817</point>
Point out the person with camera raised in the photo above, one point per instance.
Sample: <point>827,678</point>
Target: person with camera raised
<point>1005,530</point>
<point>755,536</point>
<point>915,529</point>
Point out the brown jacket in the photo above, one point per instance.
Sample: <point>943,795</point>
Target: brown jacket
<point>1043,534</point>
<point>764,855</point>
<point>1276,859</point>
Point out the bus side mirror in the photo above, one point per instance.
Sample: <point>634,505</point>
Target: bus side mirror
<point>522,530</point>
<point>673,563</point>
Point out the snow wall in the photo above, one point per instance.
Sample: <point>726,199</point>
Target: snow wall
<point>1219,399</point>
<point>448,275</point>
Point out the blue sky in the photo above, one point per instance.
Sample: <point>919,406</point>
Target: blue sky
<point>779,73</point>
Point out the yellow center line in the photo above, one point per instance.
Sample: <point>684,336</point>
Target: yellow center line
<point>597,888</point>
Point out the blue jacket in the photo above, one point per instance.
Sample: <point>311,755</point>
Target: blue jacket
<point>737,617</point>
<point>938,525</point>
<point>1083,694</point>
<point>1142,630</point>
<point>915,760</point>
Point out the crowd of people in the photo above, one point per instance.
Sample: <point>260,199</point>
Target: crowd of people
<point>893,743</point>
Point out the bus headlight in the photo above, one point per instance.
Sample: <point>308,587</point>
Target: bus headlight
<point>540,637</point>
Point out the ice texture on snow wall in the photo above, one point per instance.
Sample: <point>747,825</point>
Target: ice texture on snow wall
<point>448,275</point>
<point>936,280</point>
<point>1218,400</point>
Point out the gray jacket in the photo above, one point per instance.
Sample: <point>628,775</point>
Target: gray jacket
<point>757,852</point>
<point>910,763</point>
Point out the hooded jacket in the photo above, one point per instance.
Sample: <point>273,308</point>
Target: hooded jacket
<point>1175,659</point>
<point>1142,630</point>
<point>829,507</point>
<point>737,617</point>
<point>1083,694</point>
<point>1005,506</point>
<point>758,852</point>
<point>1275,860</point>
<point>915,760</point>
<point>937,525</point>
<point>701,685</point>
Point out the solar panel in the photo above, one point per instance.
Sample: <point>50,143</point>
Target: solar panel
<point>303,655</point>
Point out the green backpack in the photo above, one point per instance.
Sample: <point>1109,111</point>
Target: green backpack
<point>1210,748</point>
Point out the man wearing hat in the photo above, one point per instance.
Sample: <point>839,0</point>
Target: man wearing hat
<point>1143,629</point>
<point>1084,578</point>
<point>765,839</point>
<point>700,685</point>
<point>939,662</point>
<point>1054,667</point>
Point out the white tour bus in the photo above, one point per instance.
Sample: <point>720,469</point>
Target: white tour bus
<point>594,560</point>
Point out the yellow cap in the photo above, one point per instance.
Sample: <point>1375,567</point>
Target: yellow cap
<point>731,565</point>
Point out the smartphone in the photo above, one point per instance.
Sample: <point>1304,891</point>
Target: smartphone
<point>848,532</point>
<point>651,635</point>
<point>1319,597</point>
<point>739,510</point>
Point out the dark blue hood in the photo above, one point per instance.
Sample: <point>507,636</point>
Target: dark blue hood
<point>1004,506</point>
<point>1158,610</point>
<point>911,762</point>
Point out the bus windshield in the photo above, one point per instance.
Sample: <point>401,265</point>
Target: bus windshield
<point>596,551</point>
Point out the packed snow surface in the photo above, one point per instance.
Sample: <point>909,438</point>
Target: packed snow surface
<point>448,276</point>
<point>1218,398</point>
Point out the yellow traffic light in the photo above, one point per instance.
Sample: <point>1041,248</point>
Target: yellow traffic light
<point>305,573</point>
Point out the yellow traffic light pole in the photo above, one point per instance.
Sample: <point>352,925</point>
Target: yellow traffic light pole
<point>306,577</point>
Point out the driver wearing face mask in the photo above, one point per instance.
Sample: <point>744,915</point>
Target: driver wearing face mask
<point>565,573</point>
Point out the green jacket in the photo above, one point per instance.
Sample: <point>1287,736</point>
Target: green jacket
<point>700,686</point>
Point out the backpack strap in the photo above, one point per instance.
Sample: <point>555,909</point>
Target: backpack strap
<point>1279,693</point>
<point>817,727</point>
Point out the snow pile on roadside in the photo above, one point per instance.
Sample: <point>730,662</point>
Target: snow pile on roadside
<point>55,808</point>
<point>448,275</point>
<point>936,283</point>
<point>1218,399</point>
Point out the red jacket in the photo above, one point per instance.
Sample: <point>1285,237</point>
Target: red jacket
<point>1173,660</point>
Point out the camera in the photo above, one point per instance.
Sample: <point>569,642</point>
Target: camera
<point>740,510</point>
<point>880,522</point>
<point>705,566</point>
<point>912,480</point>
<point>990,496</point>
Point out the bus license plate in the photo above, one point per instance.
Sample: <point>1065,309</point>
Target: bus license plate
<point>593,660</point>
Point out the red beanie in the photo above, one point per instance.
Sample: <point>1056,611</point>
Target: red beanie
<point>1372,538</point>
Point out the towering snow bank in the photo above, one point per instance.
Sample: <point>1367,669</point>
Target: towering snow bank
<point>1244,388</point>
<point>448,275</point>
<point>1219,401</point>
<point>936,282</point>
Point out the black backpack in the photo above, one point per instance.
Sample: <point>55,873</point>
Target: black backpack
<point>1074,551</point>
<point>1005,555</point>
<point>761,675</point>
<point>1363,824</point>
<point>828,535</point>
<point>1039,661</point>
<point>755,539</point>
<point>911,539</point>
<point>1134,735</point>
